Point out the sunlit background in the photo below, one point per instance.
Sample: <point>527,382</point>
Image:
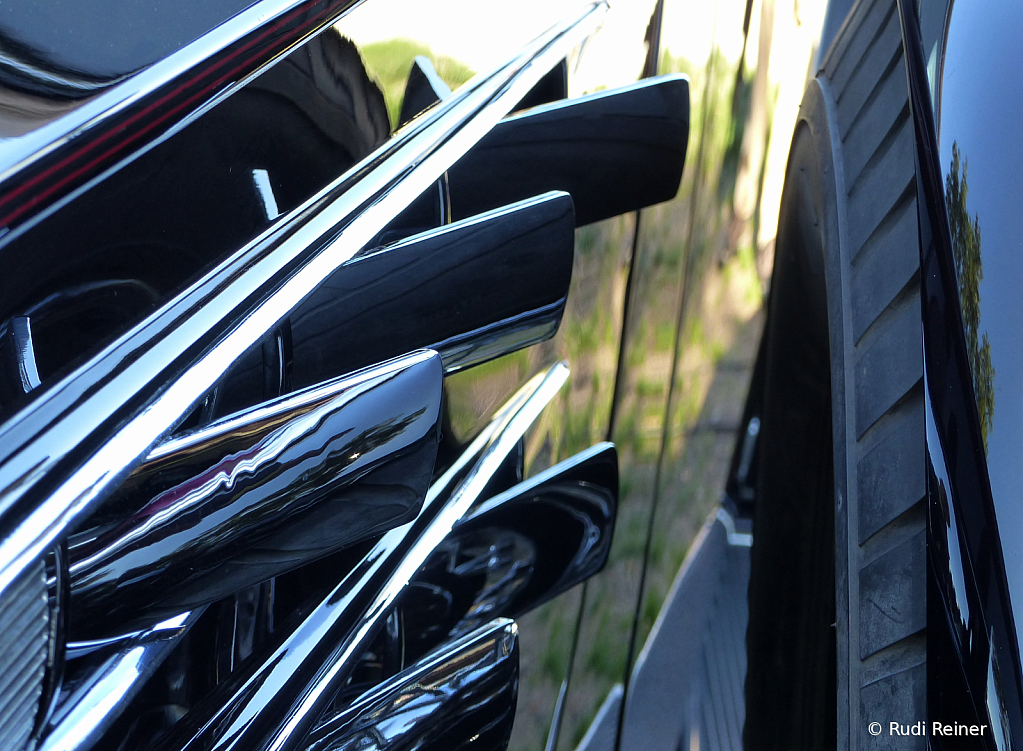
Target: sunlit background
<point>700,266</point>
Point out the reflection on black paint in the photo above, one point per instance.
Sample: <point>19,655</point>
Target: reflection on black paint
<point>190,202</point>
<point>969,273</point>
<point>56,47</point>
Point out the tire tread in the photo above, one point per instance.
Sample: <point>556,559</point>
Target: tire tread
<point>886,522</point>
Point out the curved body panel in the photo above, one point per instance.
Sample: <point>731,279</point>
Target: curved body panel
<point>969,163</point>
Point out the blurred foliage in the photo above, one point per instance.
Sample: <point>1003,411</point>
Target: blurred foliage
<point>389,63</point>
<point>970,273</point>
<point>682,326</point>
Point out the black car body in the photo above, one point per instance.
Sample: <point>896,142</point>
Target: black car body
<point>277,468</point>
<point>909,116</point>
<point>288,433</point>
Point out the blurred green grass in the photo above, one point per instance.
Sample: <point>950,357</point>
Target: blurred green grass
<point>389,62</point>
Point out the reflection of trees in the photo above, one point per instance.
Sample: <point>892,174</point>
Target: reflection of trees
<point>969,272</point>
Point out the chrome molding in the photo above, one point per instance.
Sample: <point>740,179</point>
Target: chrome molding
<point>80,436</point>
<point>276,700</point>
<point>18,372</point>
<point>257,494</point>
<point>84,714</point>
<point>515,551</point>
<point>464,690</point>
<point>95,119</point>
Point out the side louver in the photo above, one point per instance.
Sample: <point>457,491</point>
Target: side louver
<point>218,527</point>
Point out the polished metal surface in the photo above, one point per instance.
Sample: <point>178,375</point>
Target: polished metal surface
<point>473,290</point>
<point>90,707</point>
<point>18,372</point>
<point>259,493</point>
<point>273,702</point>
<point>517,550</point>
<point>226,172</point>
<point>461,696</point>
<point>70,446</point>
<point>614,151</point>
<point>57,147</point>
<point>20,331</point>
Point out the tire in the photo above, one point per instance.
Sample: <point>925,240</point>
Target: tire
<point>836,636</point>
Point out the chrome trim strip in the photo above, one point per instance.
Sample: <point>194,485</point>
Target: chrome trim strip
<point>18,153</point>
<point>468,684</point>
<point>262,492</point>
<point>534,541</point>
<point>74,650</point>
<point>82,717</point>
<point>276,701</point>
<point>24,352</point>
<point>69,447</point>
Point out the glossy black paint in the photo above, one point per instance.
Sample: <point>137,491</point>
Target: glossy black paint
<point>258,494</point>
<point>220,62</point>
<point>274,700</point>
<point>113,408</point>
<point>183,229</point>
<point>975,630</point>
<point>472,291</point>
<point>462,696</point>
<point>614,151</point>
<point>48,57</point>
<point>179,208</point>
<point>516,551</point>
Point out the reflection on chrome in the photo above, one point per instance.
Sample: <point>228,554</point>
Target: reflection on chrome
<point>83,715</point>
<point>291,686</point>
<point>93,114</point>
<point>464,690</point>
<point>73,443</point>
<point>18,372</point>
<point>262,492</point>
<point>518,550</point>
